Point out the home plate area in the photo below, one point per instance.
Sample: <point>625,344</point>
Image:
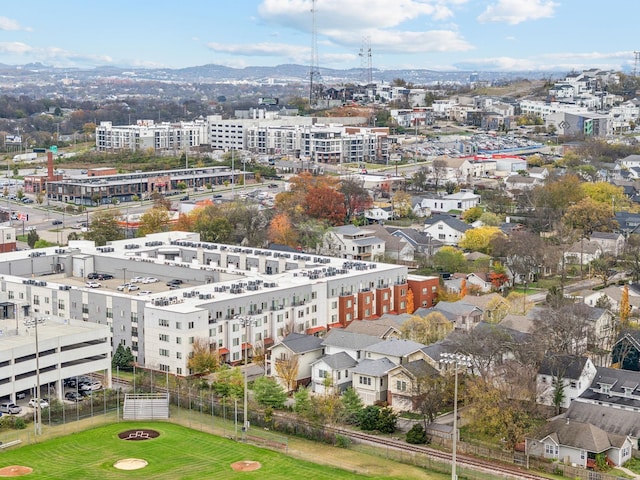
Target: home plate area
<point>15,471</point>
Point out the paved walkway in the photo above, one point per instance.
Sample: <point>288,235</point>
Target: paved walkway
<point>628,472</point>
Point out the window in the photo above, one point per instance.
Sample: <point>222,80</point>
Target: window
<point>551,449</point>
<point>164,368</point>
<point>179,355</point>
<point>163,323</point>
<point>164,352</point>
<point>235,342</point>
<point>36,300</point>
<point>134,316</point>
<point>322,374</point>
<point>60,304</point>
<point>334,304</point>
<point>134,331</point>
<point>178,325</point>
<point>365,380</point>
<point>401,386</point>
<point>573,384</point>
<point>109,313</point>
<point>164,337</point>
<point>10,293</point>
<point>85,308</point>
<point>190,325</point>
<point>179,340</point>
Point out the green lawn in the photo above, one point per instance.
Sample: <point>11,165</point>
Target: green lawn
<point>178,453</point>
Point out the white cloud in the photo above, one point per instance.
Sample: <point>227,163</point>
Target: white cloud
<point>293,53</point>
<point>518,11</point>
<point>8,24</point>
<point>557,61</point>
<point>353,14</point>
<point>15,48</point>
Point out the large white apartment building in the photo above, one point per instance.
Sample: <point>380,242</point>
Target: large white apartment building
<point>222,286</point>
<point>146,134</point>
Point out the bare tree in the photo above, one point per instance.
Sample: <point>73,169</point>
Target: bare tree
<point>438,172</point>
<point>563,329</point>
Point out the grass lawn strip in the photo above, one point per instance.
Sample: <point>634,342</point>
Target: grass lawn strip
<point>178,452</point>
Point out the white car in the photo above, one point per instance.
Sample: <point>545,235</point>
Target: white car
<point>149,280</point>
<point>93,284</point>
<point>94,385</point>
<point>123,287</point>
<point>144,292</point>
<point>43,403</point>
<point>137,279</point>
<point>133,287</point>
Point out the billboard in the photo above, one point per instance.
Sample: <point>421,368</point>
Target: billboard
<point>13,140</point>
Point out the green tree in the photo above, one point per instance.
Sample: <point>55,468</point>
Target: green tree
<point>269,393</point>
<point>20,194</point>
<point>387,420</point>
<point>32,238</point>
<point>449,259</point>
<point>229,382</point>
<point>352,406</point>
<point>302,403</point>
<point>122,358</point>
<point>472,214</point>
<point>105,227</point>
<point>368,418</point>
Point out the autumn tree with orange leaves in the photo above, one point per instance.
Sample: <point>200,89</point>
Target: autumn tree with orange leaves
<point>281,231</point>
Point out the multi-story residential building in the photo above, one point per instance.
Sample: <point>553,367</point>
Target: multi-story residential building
<point>585,124</point>
<point>146,134</point>
<point>543,109</point>
<point>222,286</point>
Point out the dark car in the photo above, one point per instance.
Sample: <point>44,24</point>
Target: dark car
<point>217,195</point>
<point>73,396</point>
<point>175,281</point>
<point>57,222</point>
<point>93,276</point>
<point>273,185</point>
<point>105,276</point>
<point>184,198</point>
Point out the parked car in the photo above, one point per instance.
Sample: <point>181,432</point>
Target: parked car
<point>105,276</point>
<point>133,287</point>
<point>149,280</point>
<point>273,185</point>
<point>175,281</point>
<point>44,403</point>
<point>27,200</point>
<point>93,284</point>
<point>123,287</point>
<point>93,276</point>
<point>73,396</point>
<point>145,292</point>
<point>137,279</point>
<point>184,198</point>
<point>94,385</point>
<point>57,222</point>
<point>217,195</point>
<point>10,408</point>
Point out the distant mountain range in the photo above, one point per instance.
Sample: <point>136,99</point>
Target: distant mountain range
<point>282,73</point>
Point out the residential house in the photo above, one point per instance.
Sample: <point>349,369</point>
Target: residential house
<point>463,315</point>
<point>445,228</point>
<point>351,242</point>
<point>491,304</point>
<point>613,296</point>
<point>422,243</point>
<point>395,349</point>
<point>395,247</point>
<point>521,183</point>
<point>577,443</point>
<point>354,344</point>
<point>331,374</point>
<point>538,172</point>
<point>609,242</point>
<point>297,352</point>
<point>370,380</point>
<point>476,282</point>
<point>419,209</point>
<point>459,201</point>
<point>569,374</point>
<point>625,352</point>
<point>377,214</point>
<point>407,384</point>
<point>611,403</point>
<point>387,326</point>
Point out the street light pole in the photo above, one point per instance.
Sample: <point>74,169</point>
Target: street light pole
<point>457,360</point>
<point>246,322</point>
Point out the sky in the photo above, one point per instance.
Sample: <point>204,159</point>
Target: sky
<point>446,35</point>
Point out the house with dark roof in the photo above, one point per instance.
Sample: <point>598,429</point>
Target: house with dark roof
<point>611,403</point>
<point>331,374</point>
<point>463,315</point>
<point>577,443</point>
<point>355,243</point>
<point>445,228</point>
<point>407,384</point>
<point>398,350</point>
<point>569,374</point>
<point>422,242</point>
<point>371,380</point>
<point>352,343</point>
<point>296,349</point>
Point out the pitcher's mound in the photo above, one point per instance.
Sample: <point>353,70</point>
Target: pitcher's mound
<point>15,471</point>
<point>246,466</point>
<point>130,464</point>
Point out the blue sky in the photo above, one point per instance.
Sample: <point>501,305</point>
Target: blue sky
<point>433,34</point>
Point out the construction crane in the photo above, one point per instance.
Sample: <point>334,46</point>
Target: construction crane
<point>315,80</point>
<point>365,60</point>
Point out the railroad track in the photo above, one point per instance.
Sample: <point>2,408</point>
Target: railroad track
<point>473,463</point>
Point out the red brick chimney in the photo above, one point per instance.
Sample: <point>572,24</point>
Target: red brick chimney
<point>49,166</point>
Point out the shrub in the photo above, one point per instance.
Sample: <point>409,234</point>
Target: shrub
<point>342,441</point>
<point>417,435</point>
